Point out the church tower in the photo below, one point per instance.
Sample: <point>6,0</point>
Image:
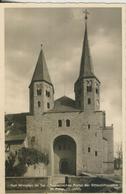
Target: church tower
<point>87,86</point>
<point>41,88</point>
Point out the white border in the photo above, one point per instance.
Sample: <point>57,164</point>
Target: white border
<point>62,4</point>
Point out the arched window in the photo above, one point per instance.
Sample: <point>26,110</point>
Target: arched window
<point>60,123</point>
<point>68,123</point>
<point>89,85</point>
<point>97,88</point>
<point>48,105</point>
<point>39,91</point>
<point>89,149</point>
<point>96,153</point>
<point>89,101</point>
<point>89,126</point>
<point>47,93</point>
<point>39,103</point>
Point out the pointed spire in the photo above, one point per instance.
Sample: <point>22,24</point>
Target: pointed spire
<point>41,71</point>
<point>86,68</point>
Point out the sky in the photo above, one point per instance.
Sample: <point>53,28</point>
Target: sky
<point>61,31</point>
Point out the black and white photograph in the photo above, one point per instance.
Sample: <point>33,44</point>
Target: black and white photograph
<point>63,99</point>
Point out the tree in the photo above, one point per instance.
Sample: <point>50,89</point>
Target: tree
<point>26,157</point>
<point>119,156</point>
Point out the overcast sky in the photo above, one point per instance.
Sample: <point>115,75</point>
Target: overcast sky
<point>61,32</point>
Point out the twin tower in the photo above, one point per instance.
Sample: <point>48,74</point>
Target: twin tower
<point>86,88</point>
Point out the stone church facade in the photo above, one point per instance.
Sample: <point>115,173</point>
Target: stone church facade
<point>72,132</point>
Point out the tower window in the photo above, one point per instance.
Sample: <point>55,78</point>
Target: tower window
<point>89,85</point>
<point>68,123</point>
<point>89,88</point>
<point>97,88</point>
<point>89,126</point>
<point>39,103</point>
<point>89,101</point>
<point>60,123</point>
<point>97,91</point>
<point>47,93</point>
<point>48,105</point>
<point>39,91</point>
<point>96,153</point>
<point>89,149</point>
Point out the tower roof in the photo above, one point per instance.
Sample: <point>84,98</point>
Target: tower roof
<point>41,71</point>
<point>86,67</point>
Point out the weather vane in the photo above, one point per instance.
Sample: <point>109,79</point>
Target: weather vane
<point>86,14</point>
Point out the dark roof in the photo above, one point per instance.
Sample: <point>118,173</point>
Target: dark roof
<point>41,71</point>
<point>64,104</point>
<point>17,138</point>
<point>15,126</point>
<point>86,67</point>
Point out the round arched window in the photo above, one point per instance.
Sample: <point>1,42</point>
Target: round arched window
<point>68,123</point>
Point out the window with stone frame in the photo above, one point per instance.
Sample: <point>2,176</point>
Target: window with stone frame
<point>97,88</point>
<point>47,93</point>
<point>39,103</point>
<point>89,149</point>
<point>68,123</point>
<point>89,85</point>
<point>59,123</point>
<point>48,105</point>
<point>39,91</point>
<point>89,126</point>
<point>96,153</point>
<point>89,101</point>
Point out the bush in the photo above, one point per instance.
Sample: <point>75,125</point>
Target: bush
<point>26,157</point>
<point>31,156</point>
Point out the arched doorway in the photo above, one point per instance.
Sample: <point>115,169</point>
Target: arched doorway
<point>64,155</point>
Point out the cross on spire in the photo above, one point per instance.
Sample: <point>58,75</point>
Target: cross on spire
<point>86,14</point>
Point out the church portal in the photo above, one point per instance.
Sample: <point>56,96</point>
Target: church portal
<point>64,155</point>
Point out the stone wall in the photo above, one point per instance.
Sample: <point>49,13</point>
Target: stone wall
<point>108,134</point>
<point>45,129</point>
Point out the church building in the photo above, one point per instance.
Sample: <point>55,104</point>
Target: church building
<point>72,132</point>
